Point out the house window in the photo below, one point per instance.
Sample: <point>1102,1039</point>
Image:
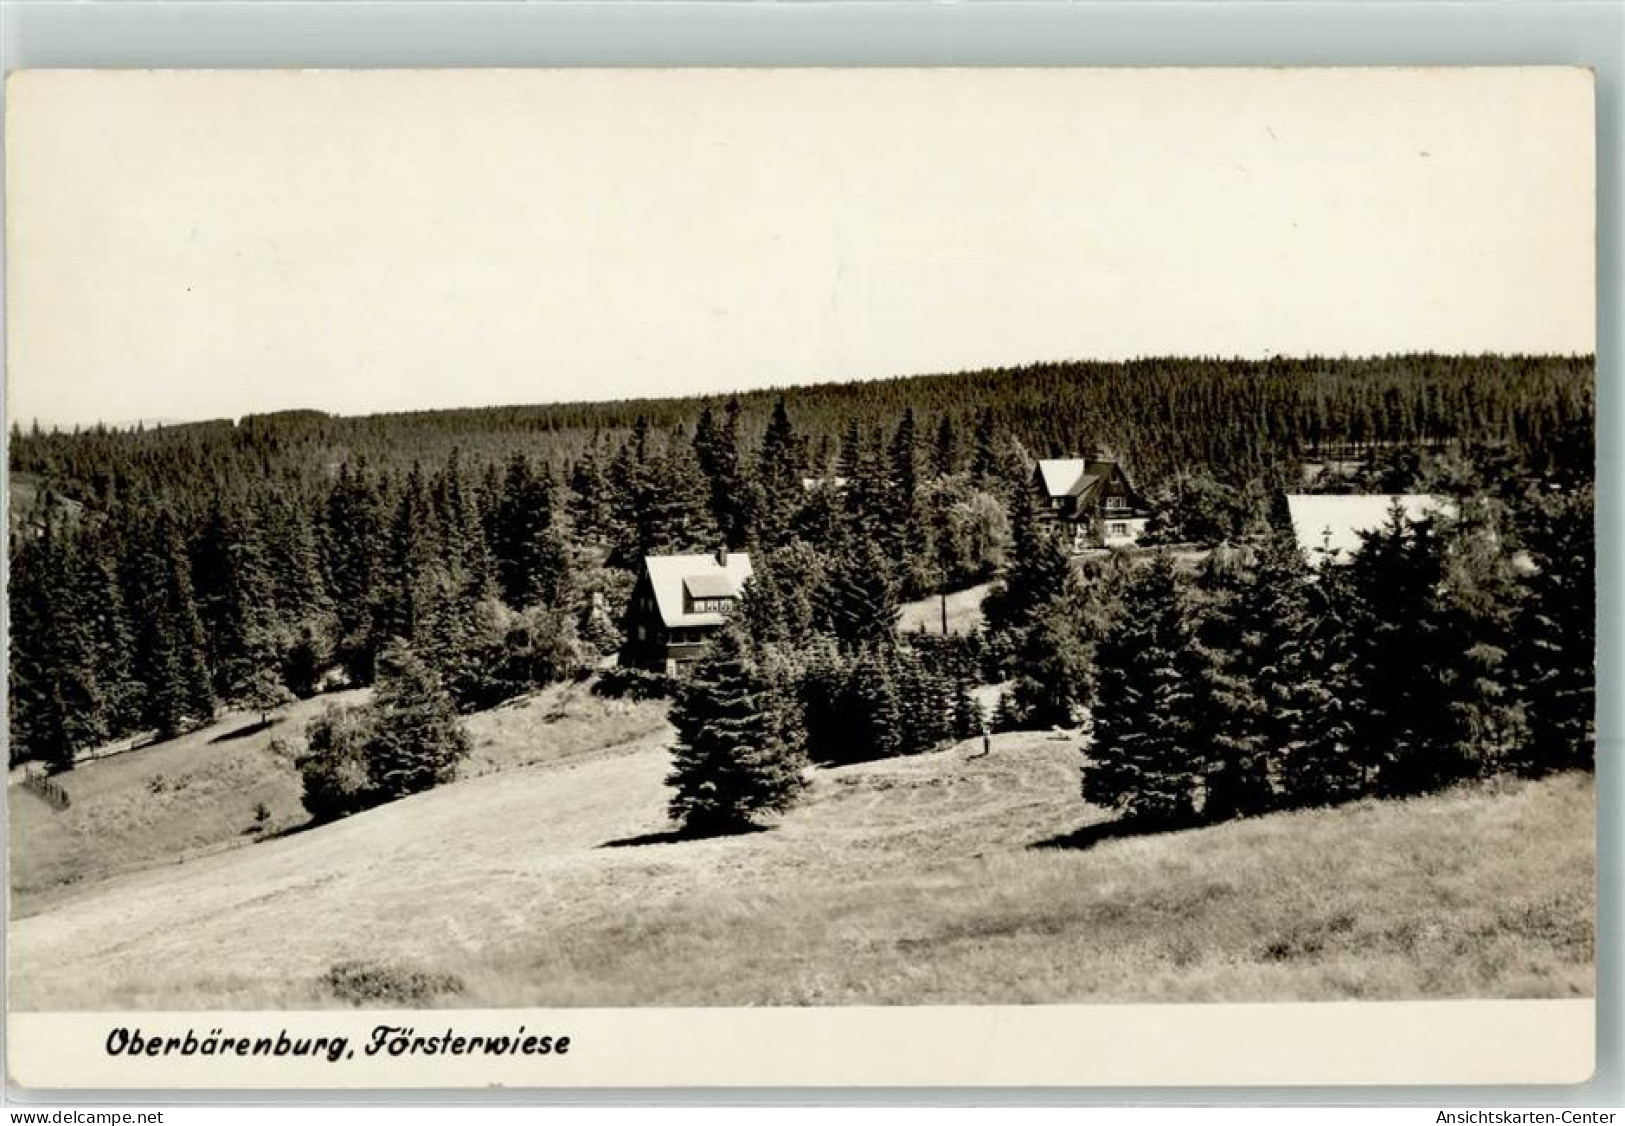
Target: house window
<point>711,605</point>
<point>1116,504</point>
<point>1117,528</point>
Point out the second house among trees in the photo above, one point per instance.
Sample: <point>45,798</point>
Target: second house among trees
<point>1092,498</point>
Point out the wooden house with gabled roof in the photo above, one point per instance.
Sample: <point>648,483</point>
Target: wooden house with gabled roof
<point>679,601</point>
<point>1092,497</point>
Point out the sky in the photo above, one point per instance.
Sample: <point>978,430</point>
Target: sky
<point>190,245</point>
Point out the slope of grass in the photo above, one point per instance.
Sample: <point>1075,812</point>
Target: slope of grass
<point>929,879</point>
<point>176,800</point>
<point>559,723</point>
<point>158,804</point>
<point>964,612</point>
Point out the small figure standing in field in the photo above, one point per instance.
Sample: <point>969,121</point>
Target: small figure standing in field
<point>987,744</point>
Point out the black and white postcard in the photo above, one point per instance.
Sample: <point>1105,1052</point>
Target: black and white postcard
<point>800,577</point>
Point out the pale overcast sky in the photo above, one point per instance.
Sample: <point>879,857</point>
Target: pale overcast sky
<point>195,245</point>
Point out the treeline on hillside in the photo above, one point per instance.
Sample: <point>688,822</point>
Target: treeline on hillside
<point>1453,648</point>
<point>1236,419</point>
<point>160,574</point>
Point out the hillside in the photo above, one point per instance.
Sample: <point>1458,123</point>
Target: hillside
<point>947,877</point>
<point>198,794</point>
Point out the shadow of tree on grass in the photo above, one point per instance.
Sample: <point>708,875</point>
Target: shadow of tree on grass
<point>243,732</point>
<point>1118,828</point>
<point>677,836</point>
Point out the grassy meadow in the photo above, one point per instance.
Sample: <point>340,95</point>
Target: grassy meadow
<point>548,876</point>
<point>964,612</point>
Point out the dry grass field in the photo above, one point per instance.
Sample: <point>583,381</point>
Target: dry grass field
<point>964,612</point>
<point>199,793</point>
<point>549,878</point>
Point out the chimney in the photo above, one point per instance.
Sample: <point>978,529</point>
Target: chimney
<point>722,555</point>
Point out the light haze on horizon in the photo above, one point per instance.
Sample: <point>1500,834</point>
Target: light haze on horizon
<point>192,245</point>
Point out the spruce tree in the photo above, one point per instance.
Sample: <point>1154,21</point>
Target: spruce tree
<point>626,494</point>
<point>1051,670</point>
<point>1556,653</point>
<point>1039,573</point>
<point>1480,610</point>
<point>416,739</point>
<point>925,702</point>
<point>1143,761</point>
<point>985,459</point>
<point>1280,720</point>
<point>905,519</point>
<point>858,603</point>
<point>945,454</point>
<point>731,760</point>
<point>112,637</point>
<point>675,512</point>
<point>170,642</point>
<point>1040,570</point>
<point>236,598</point>
<point>292,558</point>
<point>531,553</point>
<point>352,542</point>
<point>1230,707</point>
<point>868,494</point>
<point>1311,696</point>
<point>590,499</point>
<point>716,450</point>
<point>778,475</point>
<point>468,553</point>
<point>1403,650</point>
<point>872,709</point>
<point>967,718</point>
<point>58,706</point>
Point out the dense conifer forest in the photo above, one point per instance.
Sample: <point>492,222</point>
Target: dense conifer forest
<point>158,574</point>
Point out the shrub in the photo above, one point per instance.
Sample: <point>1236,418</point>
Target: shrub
<point>374,983</point>
<point>334,768</point>
<point>407,740</point>
<point>632,684</point>
<point>510,653</point>
<point>262,691</point>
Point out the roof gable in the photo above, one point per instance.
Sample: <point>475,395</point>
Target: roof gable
<point>1078,476</point>
<point>1064,476</point>
<point>671,575</point>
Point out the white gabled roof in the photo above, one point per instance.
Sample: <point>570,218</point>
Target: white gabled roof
<point>668,575</point>
<point>1061,474</point>
<point>1332,523</point>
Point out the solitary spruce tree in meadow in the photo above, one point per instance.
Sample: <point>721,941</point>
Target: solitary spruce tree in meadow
<point>732,759</point>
